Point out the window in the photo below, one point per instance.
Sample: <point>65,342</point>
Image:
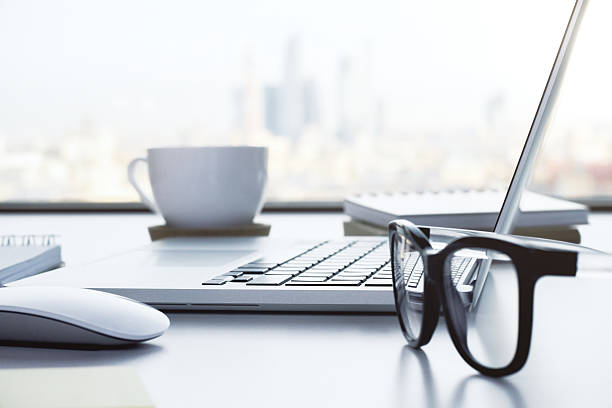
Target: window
<point>350,96</point>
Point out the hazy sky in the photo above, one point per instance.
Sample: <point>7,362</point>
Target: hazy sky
<point>161,66</point>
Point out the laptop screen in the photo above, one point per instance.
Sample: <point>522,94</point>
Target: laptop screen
<point>540,121</point>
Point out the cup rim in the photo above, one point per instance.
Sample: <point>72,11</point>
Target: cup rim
<point>193,148</point>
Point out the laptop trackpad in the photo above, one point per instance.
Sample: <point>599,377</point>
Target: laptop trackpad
<point>200,258</point>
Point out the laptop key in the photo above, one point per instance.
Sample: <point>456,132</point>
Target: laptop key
<point>288,271</point>
<point>273,280</point>
<point>242,278</point>
<point>315,275</point>
<point>253,267</point>
<point>275,272</point>
<point>331,263</point>
<point>348,278</point>
<point>261,264</point>
<point>215,281</point>
<point>324,269</point>
<point>309,279</point>
<point>355,274</point>
<point>233,273</point>
<point>351,271</point>
<point>336,268</point>
<point>326,283</point>
<point>245,269</point>
<point>379,282</point>
<point>362,267</point>
<point>303,258</point>
<point>275,260</point>
<point>292,264</point>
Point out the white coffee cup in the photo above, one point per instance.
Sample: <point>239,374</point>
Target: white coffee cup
<point>205,187</point>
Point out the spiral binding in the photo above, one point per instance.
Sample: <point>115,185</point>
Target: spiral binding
<point>28,240</point>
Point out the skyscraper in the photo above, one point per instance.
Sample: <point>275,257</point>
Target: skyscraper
<point>310,103</point>
<point>291,119</point>
<point>272,109</point>
<point>343,127</point>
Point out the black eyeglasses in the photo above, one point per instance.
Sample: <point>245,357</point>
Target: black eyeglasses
<point>484,283</point>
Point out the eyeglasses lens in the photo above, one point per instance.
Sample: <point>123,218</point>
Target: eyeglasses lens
<point>481,291</point>
<point>407,270</point>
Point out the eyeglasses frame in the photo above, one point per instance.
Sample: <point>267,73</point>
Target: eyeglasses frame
<point>533,259</point>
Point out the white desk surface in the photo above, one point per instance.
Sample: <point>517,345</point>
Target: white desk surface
<point>308,360</point>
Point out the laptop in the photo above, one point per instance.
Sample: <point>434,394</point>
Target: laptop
<point>269,274</point>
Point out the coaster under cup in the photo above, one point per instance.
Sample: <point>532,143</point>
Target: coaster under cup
<point>251,230</point>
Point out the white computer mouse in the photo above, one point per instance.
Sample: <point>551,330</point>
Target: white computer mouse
<point>58,316</point>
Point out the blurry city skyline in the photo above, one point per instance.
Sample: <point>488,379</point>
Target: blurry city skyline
<point>349,96</point>
<point>291,106</point>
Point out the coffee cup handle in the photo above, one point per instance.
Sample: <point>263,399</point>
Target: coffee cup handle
<point>149,202</point>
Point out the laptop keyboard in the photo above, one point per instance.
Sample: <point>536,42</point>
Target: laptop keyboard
<point>356,263</point>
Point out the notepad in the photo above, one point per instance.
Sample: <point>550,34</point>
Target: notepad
<point>83,387</point>
<point>462,209</point>
<point>23,256</point>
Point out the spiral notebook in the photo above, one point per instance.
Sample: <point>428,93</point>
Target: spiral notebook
<point>26,255</point>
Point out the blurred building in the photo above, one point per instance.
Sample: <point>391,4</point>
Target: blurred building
<point>272,109</point>
<point>291,109</point>
<point>310,103</point>
<point>359,114</point>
